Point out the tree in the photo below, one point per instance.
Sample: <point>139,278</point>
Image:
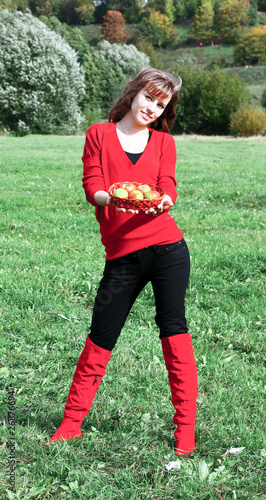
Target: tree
<point>207,100</point>
<point>41,83</point>
<point>113,28</point>
<point>230,16</point>
<point>157,29</point>
<point>203,23</point>
<point>252,48</point>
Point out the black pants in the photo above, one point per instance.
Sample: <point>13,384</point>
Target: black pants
<point>167,267</point>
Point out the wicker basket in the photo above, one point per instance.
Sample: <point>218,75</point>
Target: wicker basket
<point>142,205</point>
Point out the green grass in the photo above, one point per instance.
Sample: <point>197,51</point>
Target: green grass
<point>52,260</point>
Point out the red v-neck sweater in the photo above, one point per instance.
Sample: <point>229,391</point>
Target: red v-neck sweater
<point>105,162</point>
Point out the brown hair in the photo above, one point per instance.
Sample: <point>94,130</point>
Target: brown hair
<point>160,84</point>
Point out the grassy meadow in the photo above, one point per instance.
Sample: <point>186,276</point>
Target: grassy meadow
<point>51,264</point>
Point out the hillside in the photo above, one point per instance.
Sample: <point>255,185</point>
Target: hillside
<point>185,48</point>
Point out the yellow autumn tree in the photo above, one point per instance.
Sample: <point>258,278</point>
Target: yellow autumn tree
<point>252,48</point>
<point>157,29</point>
<point>231,15</point>
<point>203,24</point>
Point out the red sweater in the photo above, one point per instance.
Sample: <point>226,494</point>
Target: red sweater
<point>105,162</point>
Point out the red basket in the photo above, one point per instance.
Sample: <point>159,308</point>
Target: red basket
<point>142,205</point>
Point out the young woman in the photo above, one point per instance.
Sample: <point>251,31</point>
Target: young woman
<point>135,145</point>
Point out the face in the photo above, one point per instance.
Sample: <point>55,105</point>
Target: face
<point>146,108</point>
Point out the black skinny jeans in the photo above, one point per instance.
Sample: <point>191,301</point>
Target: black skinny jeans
<point>167,267</point>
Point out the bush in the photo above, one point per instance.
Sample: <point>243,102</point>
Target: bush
<point>41,84</point>
<point>246,122</point>
<point>113,27</point>
<point>157,29</point>
<point>207,100</point>
<point>263,98</point>
<point>252,47</point>
<point>107,70</point>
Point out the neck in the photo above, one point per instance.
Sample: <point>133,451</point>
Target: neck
<point>130,127</point>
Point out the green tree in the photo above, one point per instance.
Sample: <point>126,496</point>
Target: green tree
<point>207,100</point>
<point>203,24</point>
<point>230,16</point>
<point>169,10</point>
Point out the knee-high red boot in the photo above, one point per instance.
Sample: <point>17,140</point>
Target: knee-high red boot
<point>181,365</point>
<point>87,378</point>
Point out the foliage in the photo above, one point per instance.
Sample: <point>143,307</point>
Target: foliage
<point>207,100</point>
<point>41,84</point>
<point>263,98</point>
<point>131,9</point>
<point>73,36</point>
<point>113,27</point>
<point>148,49</point>
<point>203,22</point>
<point>157,29</point>
<point>231,15</point>
<point>72,12</point>
<point>252,48</point>
<point>253,13</point>
<point>107,69</point>
<point>246,122</point>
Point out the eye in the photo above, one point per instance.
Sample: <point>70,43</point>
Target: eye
<point>148,97</point>
<point>162,106</point>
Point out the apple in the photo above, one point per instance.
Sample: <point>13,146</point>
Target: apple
<point>152,195</point>
<point>129,186</point>
<point>121,193</point>
<point>136,195</point>
<point>144,188</point>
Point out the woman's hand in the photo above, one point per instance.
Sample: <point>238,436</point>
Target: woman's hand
<point>103,199</point>
<point>165,204</point>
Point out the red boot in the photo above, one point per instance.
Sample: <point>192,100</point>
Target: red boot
<point>181,365</point>
<point>87,378</point>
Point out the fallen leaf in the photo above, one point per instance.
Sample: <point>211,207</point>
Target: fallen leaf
<point>173,465</point>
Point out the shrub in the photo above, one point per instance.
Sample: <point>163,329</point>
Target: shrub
<point>207,100</point>
<point>263,98</point>
<point>107,70</point>
<point>246,122</point>
<point>252,48</point>
<point>157,29</point>
<point>113,27</point>
<point>231,15</point>
<point>148,49</point>
<point>42,84</point>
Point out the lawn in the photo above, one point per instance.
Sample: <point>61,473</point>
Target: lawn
<point>52,260</point>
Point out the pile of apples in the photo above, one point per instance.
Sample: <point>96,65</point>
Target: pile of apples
<point>133,191</point>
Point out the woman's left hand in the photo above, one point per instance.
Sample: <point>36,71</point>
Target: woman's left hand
<point>165,204</point>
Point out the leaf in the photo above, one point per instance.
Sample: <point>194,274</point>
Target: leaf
<point>203,470</point>
<point>173,465</point>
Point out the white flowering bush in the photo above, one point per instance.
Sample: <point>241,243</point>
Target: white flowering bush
<point>41,81</point>
<point>127,57</point>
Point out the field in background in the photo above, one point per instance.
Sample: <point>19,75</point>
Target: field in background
<point>52,260</point>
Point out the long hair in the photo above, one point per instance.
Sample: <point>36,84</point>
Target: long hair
<point>158,83</point>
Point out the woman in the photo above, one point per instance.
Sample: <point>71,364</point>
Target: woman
<point>135,145</point>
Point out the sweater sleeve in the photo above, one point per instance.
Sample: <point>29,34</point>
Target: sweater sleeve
<point>93,179</point>
<point>166,178</point>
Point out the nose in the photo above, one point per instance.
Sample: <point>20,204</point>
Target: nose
<point>152,106</point>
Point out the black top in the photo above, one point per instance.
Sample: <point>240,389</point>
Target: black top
<point>135,156</point>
